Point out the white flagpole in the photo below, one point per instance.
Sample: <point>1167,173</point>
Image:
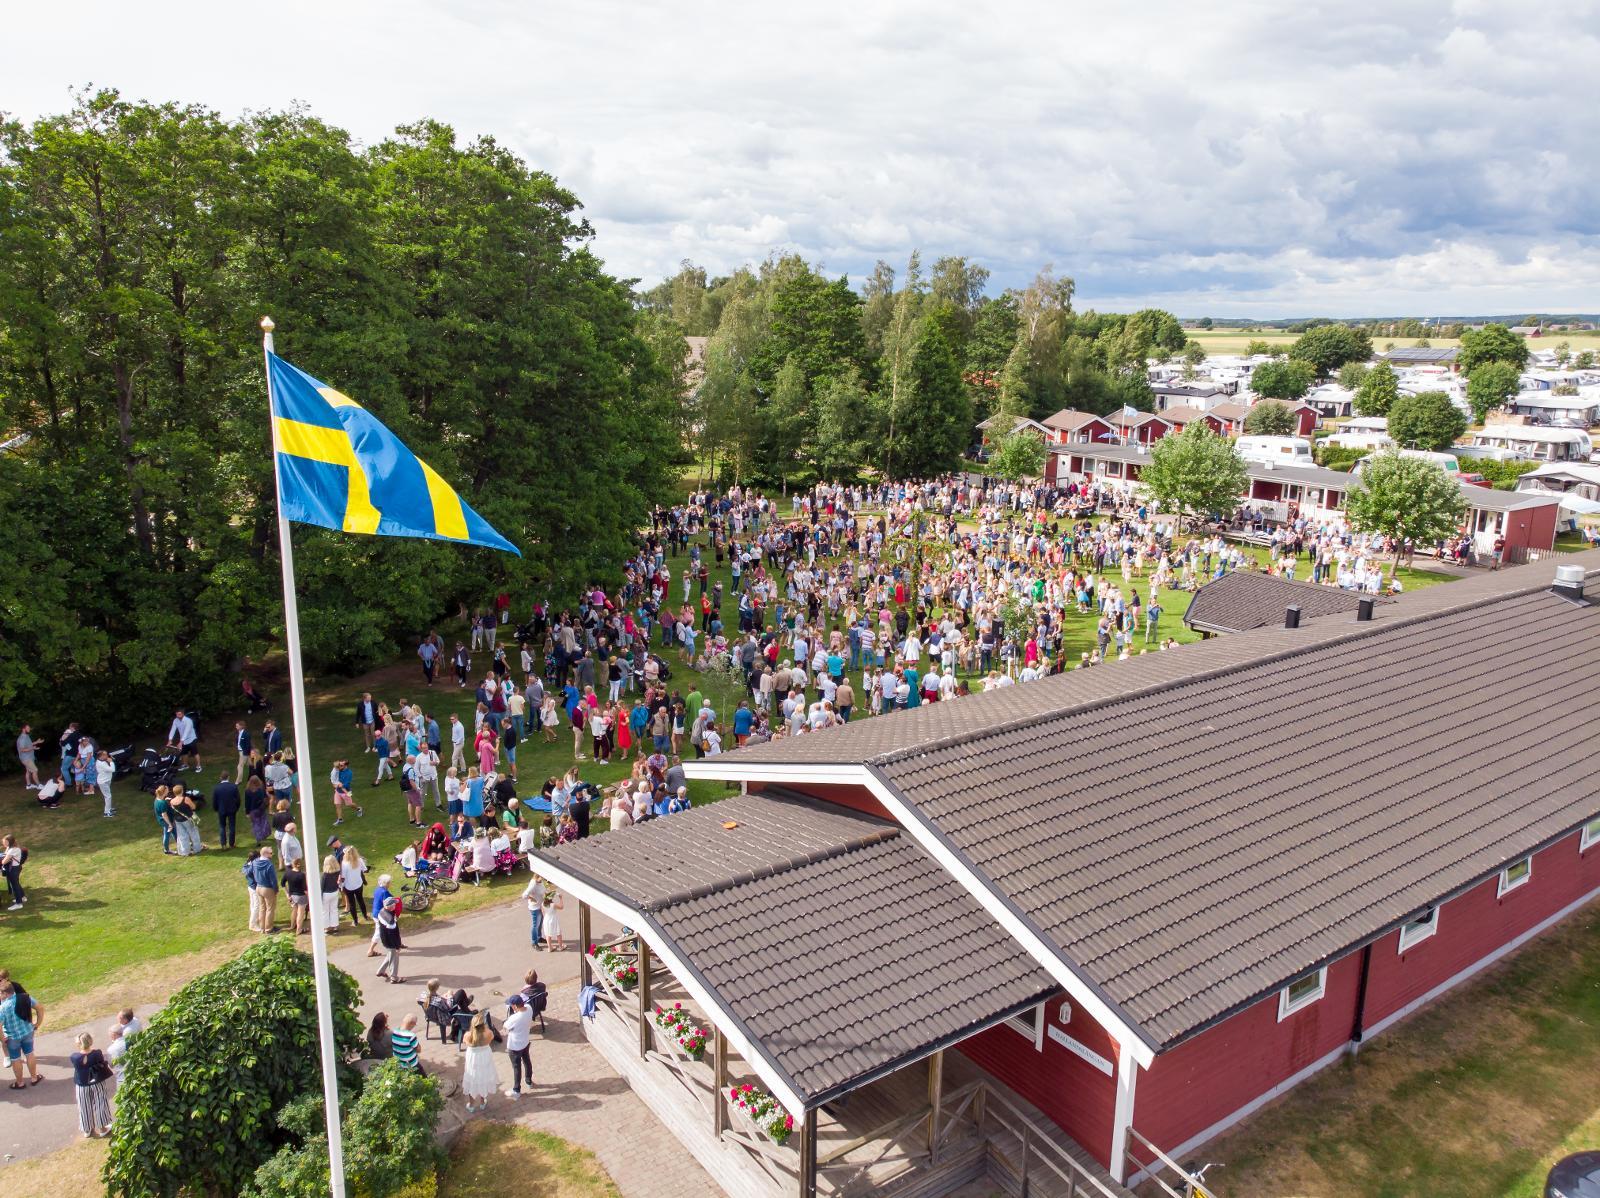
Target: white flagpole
<point>308,811</point>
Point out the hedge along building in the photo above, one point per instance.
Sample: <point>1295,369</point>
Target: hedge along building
<point>1214,918</point>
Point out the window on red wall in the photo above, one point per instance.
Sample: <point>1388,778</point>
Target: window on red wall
<point>1590,837</point>
<point>1030,1024</point>
<point>1302,993</point>
<point>1518,873</point>
<point>1415,931</point>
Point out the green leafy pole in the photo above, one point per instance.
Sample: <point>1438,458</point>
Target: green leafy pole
<point>1195,472</point>
<point>1404,498</point>
<point>197,1111</point>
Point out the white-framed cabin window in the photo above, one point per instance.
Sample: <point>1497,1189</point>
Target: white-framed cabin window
<point>1518,873</point>
<point>1415,931</point>
<point>1302,992</point>
<point>1590,836</point>
<point>1030,1024</point>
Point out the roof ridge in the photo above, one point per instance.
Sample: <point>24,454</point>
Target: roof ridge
<point>788,865</point>
<point>1357,631</point>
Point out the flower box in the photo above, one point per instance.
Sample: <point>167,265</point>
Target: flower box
<point>685,1033</point>
<point>762,1110</point>
<point>619,969</point>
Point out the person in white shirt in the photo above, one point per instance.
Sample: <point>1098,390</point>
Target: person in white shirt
<point>183,737</point>
<point>104,771</point>
<point>428,775</point>
<point>713,740</point>
<point>518,1029</point>
<point>289,847</point>
<point>527,841</point>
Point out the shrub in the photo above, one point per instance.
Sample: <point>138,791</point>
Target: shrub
<point>388,1140</point>
<point>198,1107</point>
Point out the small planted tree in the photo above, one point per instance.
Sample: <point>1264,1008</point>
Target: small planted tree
<point>1491,384</point>
<point>1377,391</point>
<point>1195,472</point>
<point>1018,455</point>
<point>1404,499</point>
<point>1282,379</point>
<point>1269,418</point>
<point>197,1110</point>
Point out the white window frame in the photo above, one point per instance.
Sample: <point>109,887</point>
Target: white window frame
<point>1288,1006</point>
<point>1034,1031</point>
<point>1415,931</point>
<point>1507,884</point>
<point>1590,836</point>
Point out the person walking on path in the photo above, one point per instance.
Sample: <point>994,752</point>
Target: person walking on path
<point>389,936</point>
<point>20,1017</point>
<point>478,1078</point>
<point>518,1029</point>
<point>90,1073</point>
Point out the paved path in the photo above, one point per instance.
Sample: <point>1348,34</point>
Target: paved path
<point>576,1096</point>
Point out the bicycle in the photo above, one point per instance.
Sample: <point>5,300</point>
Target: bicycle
<point>419,894</point>
<point>1194,1187</point>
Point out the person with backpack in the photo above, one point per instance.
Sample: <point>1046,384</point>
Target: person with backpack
<point>20,1018</point>
<point>12,858</point>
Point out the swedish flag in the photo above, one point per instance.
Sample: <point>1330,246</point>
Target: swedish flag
<point>339,467</point>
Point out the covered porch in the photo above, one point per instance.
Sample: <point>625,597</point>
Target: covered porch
<point>927,1128</point>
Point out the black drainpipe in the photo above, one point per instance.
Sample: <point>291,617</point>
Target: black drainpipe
<point>1358,1028</point>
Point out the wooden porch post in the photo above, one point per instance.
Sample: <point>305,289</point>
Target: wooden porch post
<point>584,977</point>
<point>719,1084</point>
<point>935,1100</point>
<point>644,997</point>
<point>808,1155</point>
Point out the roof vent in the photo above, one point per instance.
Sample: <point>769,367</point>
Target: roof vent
<point>1569,584</point>
<point>1291,616</point>
<point>1364,608</point>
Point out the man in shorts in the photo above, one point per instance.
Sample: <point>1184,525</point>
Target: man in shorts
<point>28,754</point>
<point>19,1017</point>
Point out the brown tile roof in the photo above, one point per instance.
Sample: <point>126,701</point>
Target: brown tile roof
<point>1070,421</point>
<point>833,939</point>
<point>1244,599</point>
<point>1181,415</point>
<point>1171,824</point>
<point>1229,411</point>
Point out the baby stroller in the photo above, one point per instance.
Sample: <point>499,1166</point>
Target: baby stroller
<point>157,769</point>
<point>121,760</point>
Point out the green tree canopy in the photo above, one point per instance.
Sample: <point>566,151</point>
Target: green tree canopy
<point>1328,347</point>
<point>1257,348</point>
<point>1492,343</point>
<point>204,1082</point>
<point>1352,375</point>
<point>1490,385</point>
<point>1195,472</point>
<point>1404,498</point>
<point>1270,418</point>
<point>846,427</point>
<point>1378,391</point>
<point>1019,455</point>
<point>934,423</point>
<point>1428,420</point>
<point>1282,379</point>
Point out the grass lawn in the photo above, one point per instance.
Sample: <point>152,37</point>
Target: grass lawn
<point>1474,1097</point>
<point>111,921</point>
<point>500,1160</point>
<point>1233,341</point>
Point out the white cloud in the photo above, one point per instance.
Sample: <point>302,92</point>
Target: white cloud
<point>1369,156</point>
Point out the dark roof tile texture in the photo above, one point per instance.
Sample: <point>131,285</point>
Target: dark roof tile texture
<point>837,943</point>
<point>1192,849</point>
<point>1244,599</point>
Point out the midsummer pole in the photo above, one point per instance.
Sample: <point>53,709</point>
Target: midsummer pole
<point>308,812</point>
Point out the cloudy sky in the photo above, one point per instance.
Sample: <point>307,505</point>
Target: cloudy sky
<point>1231,158</point>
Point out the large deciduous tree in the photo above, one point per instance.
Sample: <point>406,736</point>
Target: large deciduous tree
<point>1019,455</point>
<point>1377,391</point>
<point>1269,418</point>
<point>1282,379</point>
<point>934,423</point>
<point>1492,343</point>
<point>1490,385</point>
<point>1195,472</point>
<point>1404,498</point>
<point>1328,347</point>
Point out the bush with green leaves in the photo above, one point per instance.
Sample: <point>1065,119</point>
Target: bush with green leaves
<point>1269,418</point>
<point>1378,390</point>
<point>1019,455</point>
<point>388,1140</point>
<point>1428,420</point>
<point>204,1083</point>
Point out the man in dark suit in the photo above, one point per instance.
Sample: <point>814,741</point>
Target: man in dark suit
<point>241,742</point>
<point>271,740</point>
<point>367,717</point>
<point>225,802</point>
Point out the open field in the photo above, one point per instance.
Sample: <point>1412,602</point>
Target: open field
<point>1233,341</point>
<point>1475,1097</point>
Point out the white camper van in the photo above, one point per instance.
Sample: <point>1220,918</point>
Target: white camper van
<point>1275,451</point>
<point>1445,461</point>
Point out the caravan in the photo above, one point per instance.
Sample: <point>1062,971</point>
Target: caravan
<point>1275,451</point>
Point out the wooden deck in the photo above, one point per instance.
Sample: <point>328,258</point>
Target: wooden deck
<point>874,1141</point>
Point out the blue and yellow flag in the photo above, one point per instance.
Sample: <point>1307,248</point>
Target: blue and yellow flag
<point>339,467</point>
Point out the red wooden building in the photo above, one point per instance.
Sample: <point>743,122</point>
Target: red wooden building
<point>1214,914</point>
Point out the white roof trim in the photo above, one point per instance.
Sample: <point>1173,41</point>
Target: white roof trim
<point>629,917</point>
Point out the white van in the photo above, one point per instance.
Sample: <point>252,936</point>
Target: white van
<point>1276,451</point>
<point>1445,461</point>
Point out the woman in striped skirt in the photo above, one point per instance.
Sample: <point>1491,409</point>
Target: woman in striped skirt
<point>90,1073</point>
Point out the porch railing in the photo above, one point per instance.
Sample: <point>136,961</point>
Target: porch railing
<point>1038,1156</point>
<point>1162,1171</point>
